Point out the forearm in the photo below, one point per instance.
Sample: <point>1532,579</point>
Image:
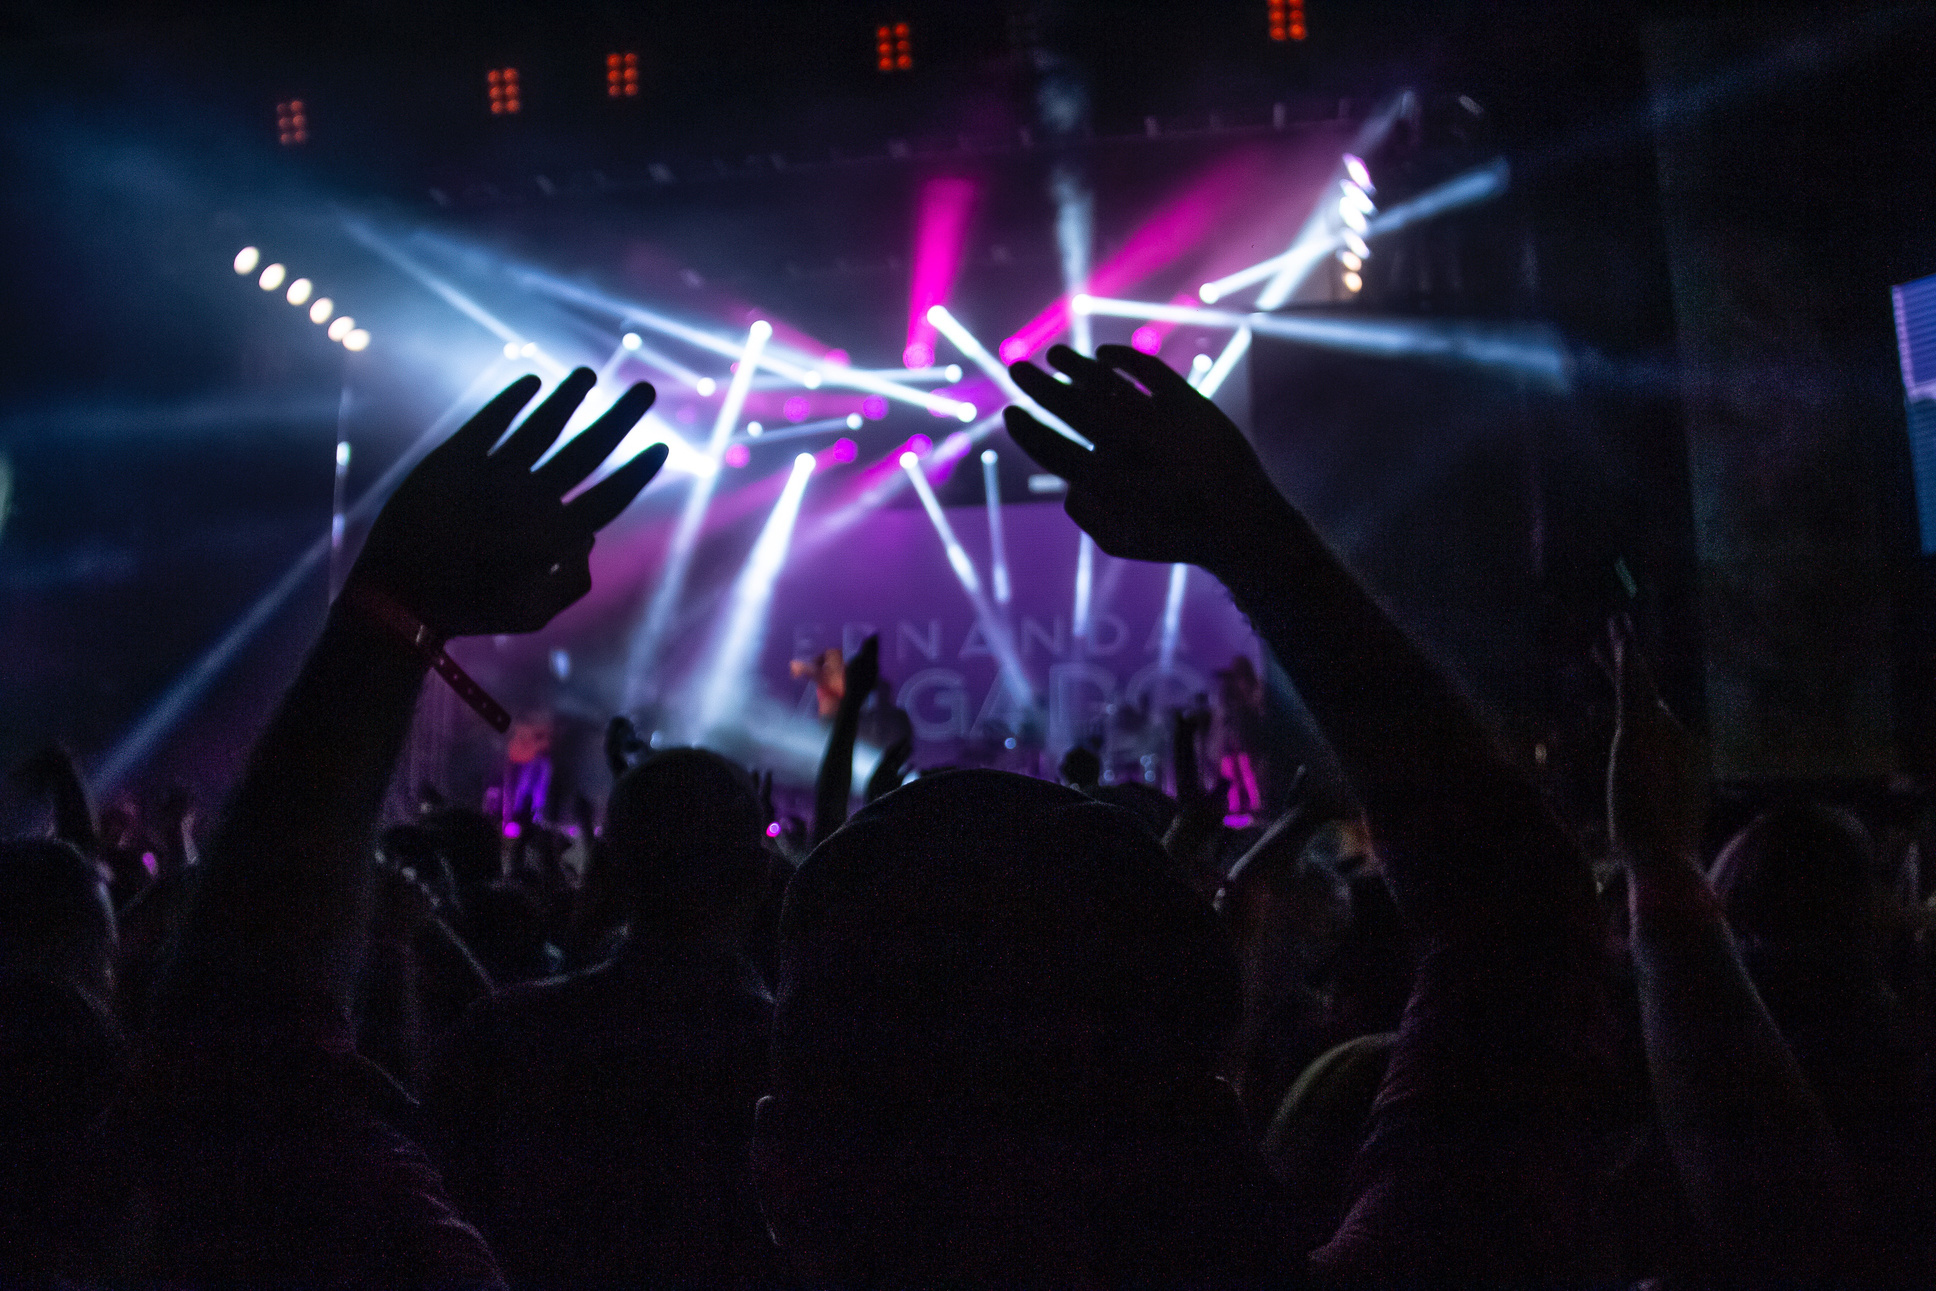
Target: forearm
<point>283,890</point>
<point>1753,1149</point>
<point>835,784</point>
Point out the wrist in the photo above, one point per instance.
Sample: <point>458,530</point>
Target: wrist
<point>375,611</point>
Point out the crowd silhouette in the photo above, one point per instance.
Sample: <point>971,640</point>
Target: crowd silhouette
<point>986,1031</point>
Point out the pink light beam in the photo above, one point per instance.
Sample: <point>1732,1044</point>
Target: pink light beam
<point>941,230</point>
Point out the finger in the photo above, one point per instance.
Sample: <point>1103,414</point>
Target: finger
<point>1156,376</point>
<point>475,437</point>
<point>592,445</point>
<point>1053,452</point>
<point>1086,374</point>
<point>599,505</point>
<point>529,441</point>
<point>1080,405</point>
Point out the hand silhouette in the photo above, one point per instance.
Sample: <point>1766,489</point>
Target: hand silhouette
<point>1170,478</point>
<point>475,541</point>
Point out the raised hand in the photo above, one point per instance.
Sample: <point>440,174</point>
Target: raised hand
<point>477,541</point>
<point>1170,478</point>
<point>1656,793</point>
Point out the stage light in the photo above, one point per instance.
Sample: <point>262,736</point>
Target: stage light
<point>873,407</point>
<point>1481,184</point>
<point>1085,580</point>
<point>997,550</point>
<point>247,259</point>
<point>685,535</point>
<point>357,340</point>
<point>918,354</point>
<point>893,47</point>
<point>1351,260</point>
<point>1146,339</point>
<point>952,373</point>
<point>811,380</point>
<point>1198,366</point>
<point>1355,244</point>
<point>1047,484</point>
<point>510,349</point>
<point>965,341</point>
<point>630,341</point>
<point>292,123</point>
<point>342,327</point>
<point>1285,20</point>
<point>854,421</point>
<point>704,387</point>
<point>1532,352</point>
<point>299,291</point>
<point>1352,282</point>
<point>736,649</point>
<point>738,455</point>
<point>272,277</point>
<point>622,76</point>
<point>502,90</point>
<point>1013,350</point>
<point>1075,235</point>
<point>797,409</point>
<point>843,451</point>
<point>1351,215</point>
<point>1172,617</point>
<point>993,627</point>
<point>528,350</point>
<point>754,429</point>
<point>1312,244</point>
<point>1355,168</point>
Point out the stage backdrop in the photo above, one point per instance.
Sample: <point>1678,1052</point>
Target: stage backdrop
<point>892,577</point>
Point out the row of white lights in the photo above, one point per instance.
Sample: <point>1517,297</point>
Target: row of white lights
<point>342,328</point>
<point>1355,209</point>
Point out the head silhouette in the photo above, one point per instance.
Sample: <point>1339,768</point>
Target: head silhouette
<point>683,841</point>
<point>997,1019</point>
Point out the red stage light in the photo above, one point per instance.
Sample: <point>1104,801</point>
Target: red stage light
<point>503,90</point>
<point>292,123</point>
<point>893,47</point>
<point>1286,19</point>
<point>622,76</point>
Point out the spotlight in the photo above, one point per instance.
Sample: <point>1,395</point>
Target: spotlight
<point>299,291</point>
<point>1357,245</point>
<point>320,311</point>
<point>967,412</point>
<point>510,349</point>
<point>1351,215</point>
<point>1172,616</point>
<point>1147,339</point>
<point>754,429</point>
<point>630,341</point>
<point>738,455</point>
<point>272,277</point>
<point>1352,282</point>
<point>917,355</point>
<point>952,373</point>
<point>854,420</point>
<point>529,349</point>
<point>1355,167</point>
<point>736,649</point>
<point>657,622</point>
<point>1351,260</point>
<point>247,259</point>
<point>357,340</point>
<point>873,407</point>
<point>811,381</point>
<point>1198,366</point>
<point>844,450</point>
<point>342,327</point>
<point>705,386</point>
<point>797,409</point>
<point>1014,350</point>
<point>993,627</point>
<point>997,550</point>
<point>909,461</point>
